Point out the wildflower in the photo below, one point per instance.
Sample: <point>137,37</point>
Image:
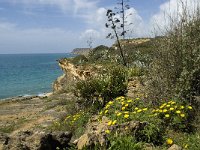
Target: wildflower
<point>119,114</point>
<point>165,110</point>
<point>107,131</point>
<point>144,109</point>
<point>161,107</point>
<point>137,98</point>
<point>160,110</point>
<point>126,116</point>
<point>122,103</point>
<point>155,114</point>
<point>106,111</point>
<point>123,108</point>
<point>100,113</point>
<point>126,105</point>
<point>169,141</point>
<point>167,115</point>
<point>186,146</point>
<point>182,115</point>
<point>107,106</point>
<point>136,108</point>
<point>167,105</point>
<point>114,122</point>
<point>190,107</point>
<point>171,108</point>
<point>134,112</point>
<point>110,102</point>
<point>139,110</point>
<point>182,107</point>
<point>173,103</point>
<point>178,111</point>
<point>109,123</point>
<point>129,101</point>
<point>153,110</point>
<point>126,112</point>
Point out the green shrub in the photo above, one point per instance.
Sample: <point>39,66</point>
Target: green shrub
<point>110,83</point>
<point>80,59</point>
<point>175,70</point>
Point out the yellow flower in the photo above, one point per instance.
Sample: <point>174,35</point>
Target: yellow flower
<point>171,108</point>
<point>134,112</point>
<point>136,108</point>
<point>167,115</point>
<point>165,110</point>
<point>167,105</point>
<point>109,123</point>
<point>190,107</point>
<point>186,146</point>
<point>106,111</point>
<point>114,122</point>
<point>169,141</point>
<point>161,107</point>
<point>123,108</point>
<point>107,131</point>
<point>144,109</point>
<point>182,107</point>
<point>126,112</point>
<point>129,101</point>
<point>126,105</point>
<point>137,98</point>
<point>107,106</point>
<point>126,116</point>
<point>173,103</point>
<point>178,111</point>
<point>153,110</point>
<point>160,110</point>
<point>100,113</point>
<point>139,110</point>
<point>122,103</point>
<point>119,114</point>
<point>182,115</point>
<point>155,114</point>
<point>110,102</point>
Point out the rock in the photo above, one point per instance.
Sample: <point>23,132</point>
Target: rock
<point>175,147</point>
<point>28,140</point>
<point>95,131</point>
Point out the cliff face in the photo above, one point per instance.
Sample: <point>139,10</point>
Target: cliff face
<point>71,75</point>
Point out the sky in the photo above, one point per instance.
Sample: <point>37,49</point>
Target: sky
<point>59,26</point>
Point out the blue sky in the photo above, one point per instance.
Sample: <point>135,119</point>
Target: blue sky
<point>56,26</point>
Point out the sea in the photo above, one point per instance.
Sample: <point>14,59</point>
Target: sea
<point>28,74</point>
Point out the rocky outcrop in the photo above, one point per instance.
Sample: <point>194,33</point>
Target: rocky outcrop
<point>95,132</point>
<point>29,140</point>
<point>72,74</point>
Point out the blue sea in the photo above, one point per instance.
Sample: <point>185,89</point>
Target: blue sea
<point>28,74</point>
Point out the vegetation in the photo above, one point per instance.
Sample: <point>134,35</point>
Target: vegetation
<point>169,67</point>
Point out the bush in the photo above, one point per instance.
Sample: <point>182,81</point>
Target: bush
<point>80,59</point>
<point>109,84</point>
<point>175,70</point>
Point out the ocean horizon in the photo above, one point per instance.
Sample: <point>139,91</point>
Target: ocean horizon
<point>28,74</point>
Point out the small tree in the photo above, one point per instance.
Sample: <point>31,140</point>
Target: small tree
<point>118,24</point>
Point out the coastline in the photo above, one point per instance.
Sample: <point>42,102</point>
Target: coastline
<point>26,97</point>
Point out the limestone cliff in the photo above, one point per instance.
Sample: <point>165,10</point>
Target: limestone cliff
<point>72,74</point>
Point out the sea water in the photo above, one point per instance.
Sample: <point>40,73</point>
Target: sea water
<point>28,74</point>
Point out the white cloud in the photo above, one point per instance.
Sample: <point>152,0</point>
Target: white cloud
<point>171,10</point>
<point>36,40</point>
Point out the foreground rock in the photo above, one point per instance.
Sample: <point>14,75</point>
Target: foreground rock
<point>96,131</point>
<point>29,140</point>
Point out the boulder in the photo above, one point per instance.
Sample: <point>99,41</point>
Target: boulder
<point>28,140</point>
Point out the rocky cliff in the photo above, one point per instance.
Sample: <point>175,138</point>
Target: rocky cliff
<point>72,74</point>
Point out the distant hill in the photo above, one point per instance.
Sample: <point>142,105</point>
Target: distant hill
<point>81,51</point>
